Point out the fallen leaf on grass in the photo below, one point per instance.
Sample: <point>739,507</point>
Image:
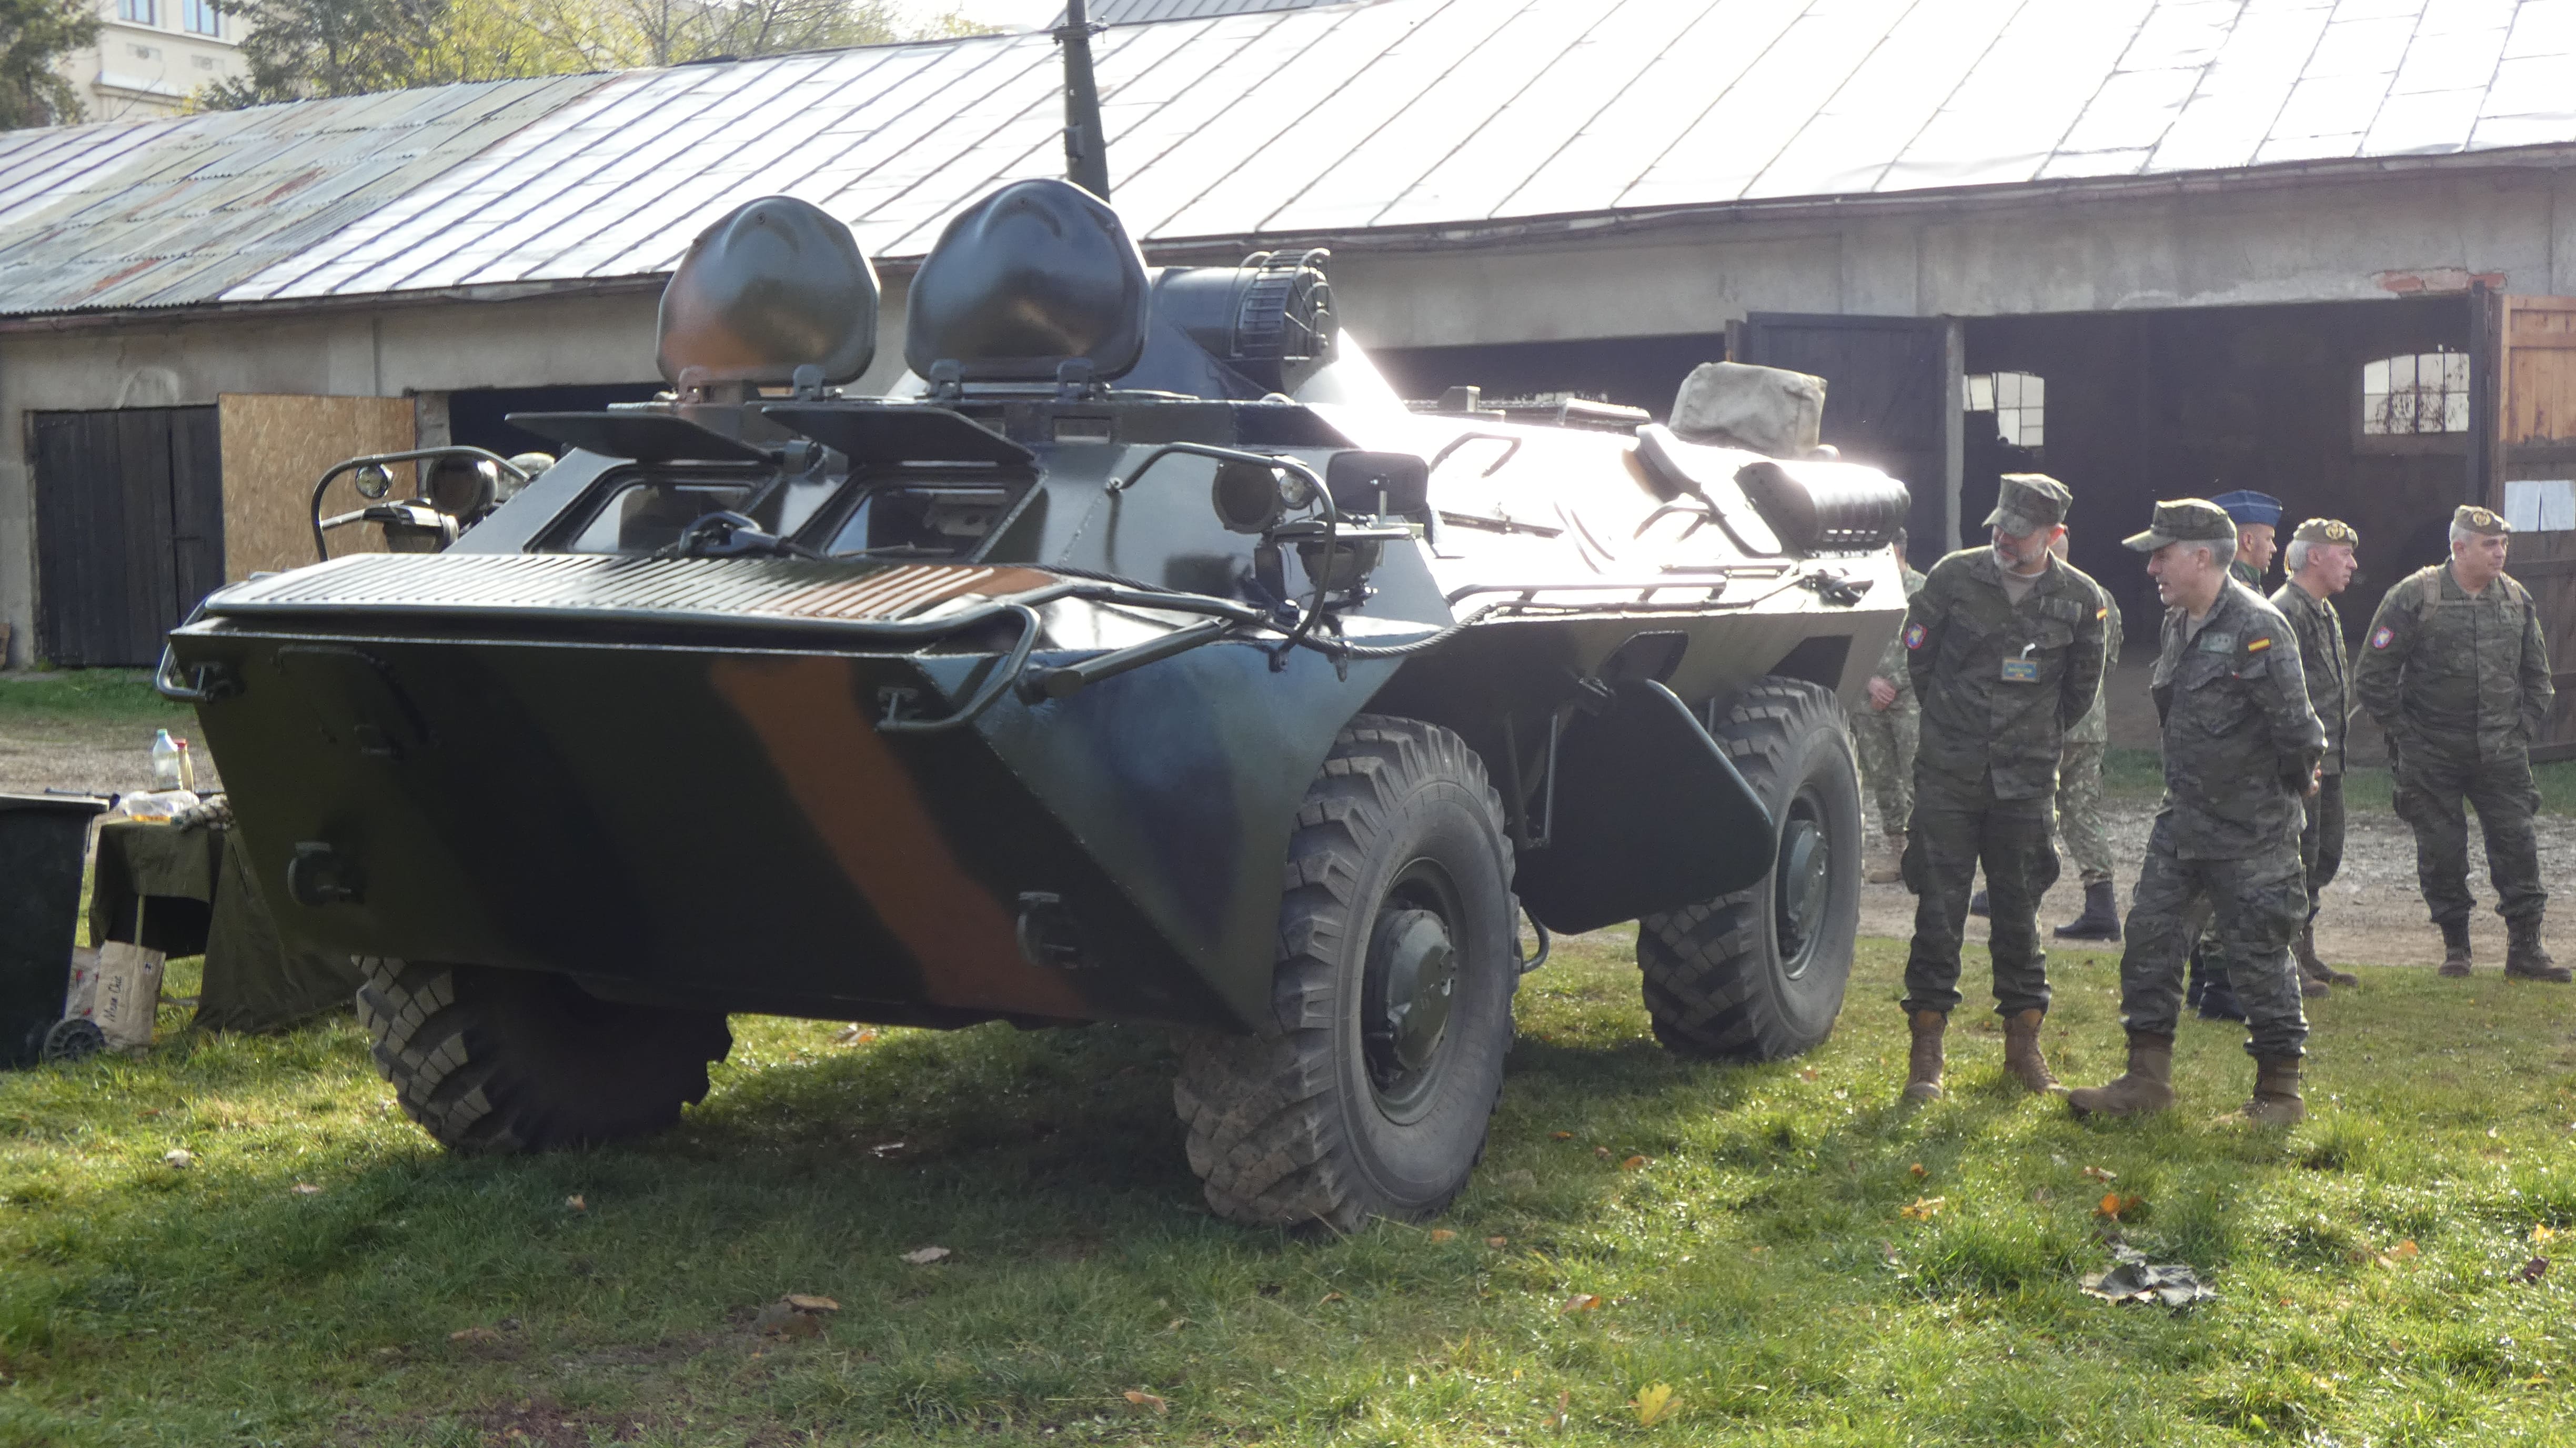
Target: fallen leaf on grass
<point>1923,1209</point>
<point>2115,1206</point>
<point>1632,1164</point>
<point>924,1256</point>
<point>2399,1255</point>
<point>2101,1174</point>
<point>305,1189</point>
<point>1328,1297</point>
<point>1443,1234</point>
<point>475,1334</point>
<point>1654,1404</point>
<point>1498,1241</point>
<point>2532,1270</point>
<point>1580,1302</point>
<point>855,1036</point>
<point>1138,1398</point>
<point>576,1203</point>
<point>179,1157</point>
<point>1917,1172</point>
<point>2542,1233</point>
<point>805,1303</point>
<point>1569,1136</point>
<point>1602,1152</point>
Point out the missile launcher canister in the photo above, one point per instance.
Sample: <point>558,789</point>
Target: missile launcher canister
<point>1142,657</point>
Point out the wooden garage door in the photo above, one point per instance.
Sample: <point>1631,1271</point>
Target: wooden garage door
<point>129,529</point>
<point>2531,475</point>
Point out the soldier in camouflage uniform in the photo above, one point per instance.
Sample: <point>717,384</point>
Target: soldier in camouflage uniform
<point>2320,565</point>
<point>2457,674</point>
<point>2080,825</point>
<point>1885,737</point>
<point>2240,751</point>
<point>2257,517</point>
<point>2005,645</point>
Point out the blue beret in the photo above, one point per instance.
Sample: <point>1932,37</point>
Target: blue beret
<point>2247,506</point>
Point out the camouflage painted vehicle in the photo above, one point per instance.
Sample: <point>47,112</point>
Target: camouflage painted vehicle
<point>1146,659</point>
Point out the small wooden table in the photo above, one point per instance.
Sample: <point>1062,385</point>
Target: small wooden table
<point>187,890</point>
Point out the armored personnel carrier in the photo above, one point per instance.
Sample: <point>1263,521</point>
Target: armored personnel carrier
<point>1144,658</point>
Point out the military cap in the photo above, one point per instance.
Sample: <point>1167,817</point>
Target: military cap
<point>2326,530</point>
<point>2186,520</point>
<point>2247,506</point>
<point>2028,502</point>
<point>2480,520</point>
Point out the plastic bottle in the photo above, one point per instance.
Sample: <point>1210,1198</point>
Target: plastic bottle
<point>187,767</point>
<point>165,761</point>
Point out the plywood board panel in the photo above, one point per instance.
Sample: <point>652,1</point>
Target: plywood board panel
<point>2540,374</point>
<point>275,447</point>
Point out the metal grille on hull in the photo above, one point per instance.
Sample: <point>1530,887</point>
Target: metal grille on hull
<point>716,590</point>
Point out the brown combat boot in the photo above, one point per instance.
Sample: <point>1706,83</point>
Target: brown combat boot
<point>2312,968</point>
<point>1923,1063</point>
<point>1888,868</point>
<point>2455,947</point>
<point>2022,1060</point>
<point>2146,1086</point>
<point>2276,1100</point>
<point>2525,958</point>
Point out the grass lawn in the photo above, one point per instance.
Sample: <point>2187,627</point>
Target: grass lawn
<point>2139,774</point>
<point>89,696</point>
<point>1767,1260</point>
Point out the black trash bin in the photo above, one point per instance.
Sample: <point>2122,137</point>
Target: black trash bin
<point>43,839</point>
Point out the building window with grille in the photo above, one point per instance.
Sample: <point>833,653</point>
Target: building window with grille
<point>140,12</point>
<point>2425,395</point>
<point>201,18</point>
<point>2019,403</point>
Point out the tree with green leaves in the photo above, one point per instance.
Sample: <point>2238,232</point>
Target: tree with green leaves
<point>304,48</point>
<point>34,37</point>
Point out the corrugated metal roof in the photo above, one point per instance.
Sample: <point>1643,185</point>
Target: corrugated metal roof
<point>161,213</point>
<point>1136,12</point>
<point>1326,119</point>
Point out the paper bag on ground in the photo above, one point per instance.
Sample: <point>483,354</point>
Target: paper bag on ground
<point>129,994</point>
<point>80,998</point>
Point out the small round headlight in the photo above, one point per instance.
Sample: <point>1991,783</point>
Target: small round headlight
<point>1246,498</point>
<point>373,481</point>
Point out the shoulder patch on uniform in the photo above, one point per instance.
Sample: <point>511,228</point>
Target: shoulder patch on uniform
<point>2258,646</point>
<point>1914,636</point>
<point>2381,636</point>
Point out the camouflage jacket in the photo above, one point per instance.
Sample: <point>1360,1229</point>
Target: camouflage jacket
<point>2240,737</point>
<point>2000,683</point>
<point>1891,660</point>
<point>2443,670</point>
<point>2322,655</point>
<point>2095,726</point>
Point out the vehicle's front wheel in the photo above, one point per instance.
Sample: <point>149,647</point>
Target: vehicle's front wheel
<point>1368,1092</point>
<point>493,1060</point>
<point>1759,974</point>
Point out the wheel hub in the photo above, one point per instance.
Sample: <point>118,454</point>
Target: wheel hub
<point>1413,981</point>
<point>1804,872</point>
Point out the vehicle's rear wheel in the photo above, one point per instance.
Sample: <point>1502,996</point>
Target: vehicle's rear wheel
<point>493,1060</point>
<point>1759,974</point>
<point>1368,1092</point>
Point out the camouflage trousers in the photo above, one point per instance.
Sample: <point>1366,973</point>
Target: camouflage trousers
<point>2430,789</point>
<point>2080,826</point>
<point>2256,907</point>
<point>1956,828</point>
<point>2321,841</point>
<point>1885,739</point>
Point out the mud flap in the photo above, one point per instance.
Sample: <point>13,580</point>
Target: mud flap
<point>1649,815</point>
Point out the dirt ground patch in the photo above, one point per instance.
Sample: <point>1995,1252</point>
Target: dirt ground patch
<point>2374,910</point>
<point>88,756</point>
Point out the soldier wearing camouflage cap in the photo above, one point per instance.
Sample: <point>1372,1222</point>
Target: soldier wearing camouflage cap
<point>2457,673</point>
<point>2322,557</point>
<point>2004,645</point>
<point>2240,750</point>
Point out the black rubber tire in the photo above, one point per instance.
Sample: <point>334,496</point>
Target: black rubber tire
<point>1289,1127</point>
<point>497,1061</point>
<point>1727,979</point>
